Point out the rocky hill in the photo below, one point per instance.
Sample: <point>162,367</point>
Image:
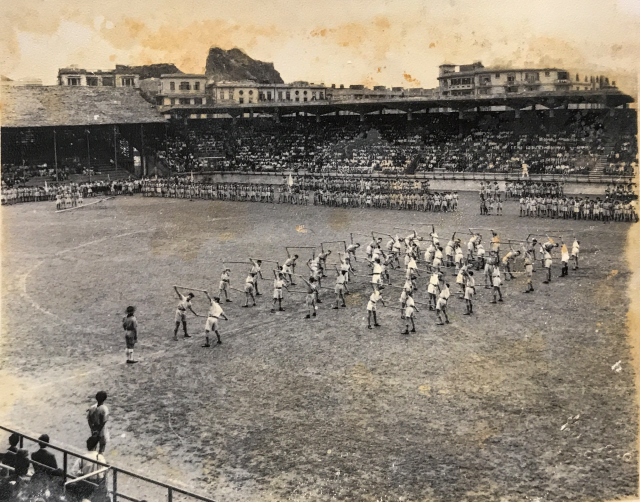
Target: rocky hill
<point>235,65</point>
<point>150,70</point>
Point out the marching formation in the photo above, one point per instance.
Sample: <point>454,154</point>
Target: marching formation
<point>416,271</point>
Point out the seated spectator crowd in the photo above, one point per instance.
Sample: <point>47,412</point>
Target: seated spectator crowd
<point>349,146</point>
<point>25,475</point>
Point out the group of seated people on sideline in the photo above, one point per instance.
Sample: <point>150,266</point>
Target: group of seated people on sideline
<point>24,474</point>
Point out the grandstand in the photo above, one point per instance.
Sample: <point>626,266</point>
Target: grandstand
<point>572,142</point>
<point>54,133</point>
<point>78,134</point>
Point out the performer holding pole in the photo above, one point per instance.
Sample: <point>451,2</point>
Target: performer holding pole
<point>181,312</point>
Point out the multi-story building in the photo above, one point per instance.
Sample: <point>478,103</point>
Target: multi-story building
<point>248,92</point>
<point>476,80</point>
<point>119,77</point>
<point>182,89</point>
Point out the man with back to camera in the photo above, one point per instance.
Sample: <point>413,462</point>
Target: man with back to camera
<point>97,417</point>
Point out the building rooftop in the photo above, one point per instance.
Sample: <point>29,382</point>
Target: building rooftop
<point>183,75</point>
<point>74,106</point>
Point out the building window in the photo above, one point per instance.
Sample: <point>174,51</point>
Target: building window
<point>250,100</point>
<point>268,95</point>
<point>297,99</point>
<point>73,81</point>
<point>172,86</point>
<point>127,81</point>
<point>92,81</point>
<point>173,101</point>
<point>185,101</point>
<point>241,100</point>
<point>108,81</point>
<point>305,99</point>
<point>547,73</point>
<point>497,75</point>
<point>250,93</point>
<point>288,96</point>
<point>197,101</point>
<point>159,100</point>
<point>279,95</point>
<point>297,92</point>
<point>185,86</point>
<point>321,96</point>
<point>196,86</point>
<point>241,92</point>
<point>511,78</point>
<point>305,93</point>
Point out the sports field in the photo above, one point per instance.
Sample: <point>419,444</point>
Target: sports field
<point>321,409</point>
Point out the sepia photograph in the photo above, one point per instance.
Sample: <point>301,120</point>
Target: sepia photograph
<point>242,253</point>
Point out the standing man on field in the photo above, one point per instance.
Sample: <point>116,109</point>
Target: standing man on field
<point>97,417</point>
<point>130,326</point>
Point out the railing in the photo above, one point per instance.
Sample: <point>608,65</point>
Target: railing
<point>116,474</point>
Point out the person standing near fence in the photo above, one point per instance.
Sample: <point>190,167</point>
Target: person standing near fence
<point>97,417</point>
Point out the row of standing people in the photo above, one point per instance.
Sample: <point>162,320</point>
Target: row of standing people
<point>579,208</point>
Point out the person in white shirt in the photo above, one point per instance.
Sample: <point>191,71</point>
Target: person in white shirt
<point>564,259</point>
<point>409,310</point>
<point>341,287</point>
<point>215,312</point>
<point>371,308</point>
<point>181,313</point>
<point>575,251</point>
<point>496,282</point>
<point>441,306</point>
<point>83,467</point>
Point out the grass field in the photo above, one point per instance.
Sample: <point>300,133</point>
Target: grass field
<point>295,409</point>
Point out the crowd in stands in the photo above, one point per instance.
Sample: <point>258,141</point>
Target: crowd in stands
<point>623,157</point>
<point>504,151</point>
<point>351,147</point>
<point>67,194</point>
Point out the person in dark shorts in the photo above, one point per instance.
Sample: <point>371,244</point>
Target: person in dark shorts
<point>130,325</point>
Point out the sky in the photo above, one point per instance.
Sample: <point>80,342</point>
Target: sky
<point>373,42</point>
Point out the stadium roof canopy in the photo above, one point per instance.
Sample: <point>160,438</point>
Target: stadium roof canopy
<point>74,106</point>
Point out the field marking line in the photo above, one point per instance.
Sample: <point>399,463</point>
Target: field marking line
<point>22,282</point>
<point>23,290</point>
<point>102,239</point>
<point>83,205</point>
